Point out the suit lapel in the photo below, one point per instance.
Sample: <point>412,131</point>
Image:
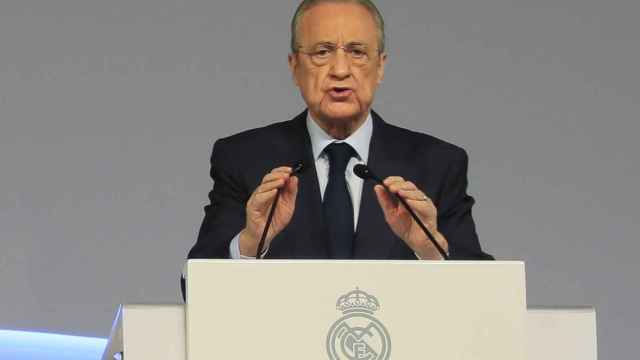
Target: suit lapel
<point>374,239</point>
<point>309,228</point>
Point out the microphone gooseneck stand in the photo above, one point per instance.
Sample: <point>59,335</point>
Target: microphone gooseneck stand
<point>297,169</point>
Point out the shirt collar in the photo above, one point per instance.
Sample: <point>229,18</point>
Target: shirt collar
<point>359,140</point>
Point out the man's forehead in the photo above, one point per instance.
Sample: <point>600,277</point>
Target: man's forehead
<point>338,23</point>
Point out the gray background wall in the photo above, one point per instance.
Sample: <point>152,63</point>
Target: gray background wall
<point>108,110</point>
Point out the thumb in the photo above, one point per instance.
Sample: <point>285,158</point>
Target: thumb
<point>291,189</point>
<point>384,199</point>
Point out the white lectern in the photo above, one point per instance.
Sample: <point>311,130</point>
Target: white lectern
<point>337,310</point>
<point>350,310</point>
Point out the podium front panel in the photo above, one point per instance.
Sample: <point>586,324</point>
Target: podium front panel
<point>375,310</point>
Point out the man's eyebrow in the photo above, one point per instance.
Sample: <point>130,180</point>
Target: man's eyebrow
<point>330,43</point>
<point>324,43</point>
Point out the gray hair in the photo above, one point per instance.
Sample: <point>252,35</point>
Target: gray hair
<point>307,4</point>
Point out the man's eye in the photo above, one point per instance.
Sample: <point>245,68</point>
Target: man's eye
<point>358,52</point>
<point>323,52</point>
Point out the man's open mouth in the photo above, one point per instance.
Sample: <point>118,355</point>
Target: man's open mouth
<point>340,92</point>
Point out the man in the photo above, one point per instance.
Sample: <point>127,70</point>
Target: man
<point>337,61</point>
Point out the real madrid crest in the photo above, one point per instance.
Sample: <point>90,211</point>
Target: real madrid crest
<point>358,334</point>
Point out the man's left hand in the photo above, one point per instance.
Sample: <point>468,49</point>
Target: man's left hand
<point>401,222</point>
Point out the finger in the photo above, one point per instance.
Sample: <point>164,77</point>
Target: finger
<point>274,176</point>
<point>266,187</point>
<point>276,172</point>
<point>411,186</point>
<point>401,185</point>
<point>282,169</point>
<point>416,195</point>
<point>384,199</point>
<point>266,197</point>
<point>291,189</point>
<point>392,179</point>
<point>292,184</point>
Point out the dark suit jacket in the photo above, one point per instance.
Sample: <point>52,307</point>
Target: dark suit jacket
<point>239,162</point>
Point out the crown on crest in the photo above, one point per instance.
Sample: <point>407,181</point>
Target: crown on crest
<point>357,300</point>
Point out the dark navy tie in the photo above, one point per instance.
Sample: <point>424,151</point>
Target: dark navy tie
<point>337,206</point>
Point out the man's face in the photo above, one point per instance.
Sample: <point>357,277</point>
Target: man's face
<point>340,90</point>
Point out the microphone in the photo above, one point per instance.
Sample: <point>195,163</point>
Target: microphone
<point>365,173</point>
<point>298,168</point>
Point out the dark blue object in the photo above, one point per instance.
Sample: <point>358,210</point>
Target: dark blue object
<point>337,207</point>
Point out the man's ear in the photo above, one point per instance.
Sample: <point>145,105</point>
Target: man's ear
<point>293,66</point>
<point>383,62</point>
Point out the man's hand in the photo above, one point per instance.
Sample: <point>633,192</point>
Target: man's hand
<point>401,221</point>
<point>259,204</point>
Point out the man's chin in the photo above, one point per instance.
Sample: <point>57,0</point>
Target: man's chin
<point>341,112</point>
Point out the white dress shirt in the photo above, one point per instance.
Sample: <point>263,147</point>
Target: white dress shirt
<point>359,141</point>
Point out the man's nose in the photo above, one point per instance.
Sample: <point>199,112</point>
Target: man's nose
<point>341,64</point>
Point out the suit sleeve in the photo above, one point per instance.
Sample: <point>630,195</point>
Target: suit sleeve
<point>454,213</point>
<point>224,216</point>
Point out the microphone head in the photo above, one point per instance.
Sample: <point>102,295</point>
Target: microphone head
<point>362,171</point>
<point>298,168</point>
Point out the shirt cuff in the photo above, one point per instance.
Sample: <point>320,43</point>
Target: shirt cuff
<point>234,250</point>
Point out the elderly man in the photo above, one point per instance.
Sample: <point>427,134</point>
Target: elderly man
<point>337,61</point>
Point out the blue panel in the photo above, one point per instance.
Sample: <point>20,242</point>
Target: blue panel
<point>22,345</point>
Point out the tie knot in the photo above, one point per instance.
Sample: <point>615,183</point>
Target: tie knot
<point>339,155</point>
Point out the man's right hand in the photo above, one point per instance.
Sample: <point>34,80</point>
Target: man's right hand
<point>259,204</point>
